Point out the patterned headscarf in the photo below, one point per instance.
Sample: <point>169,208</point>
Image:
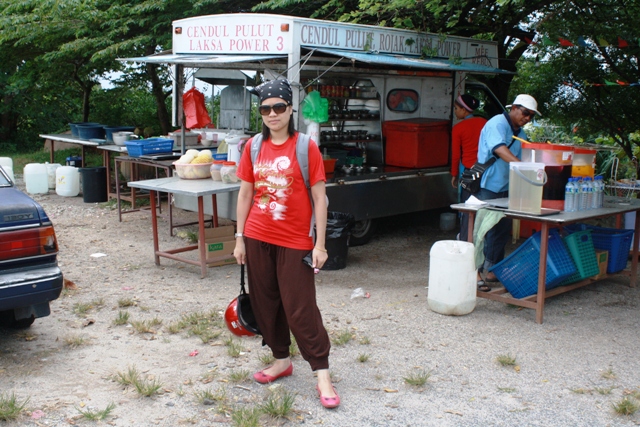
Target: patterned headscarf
<point>275,89</point>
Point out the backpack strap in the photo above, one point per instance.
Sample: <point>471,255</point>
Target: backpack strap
<point>302,155</point>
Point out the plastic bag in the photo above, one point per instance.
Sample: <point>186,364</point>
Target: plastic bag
<point>195,111</point>
<point>339,224</point>
<point>315,108</point>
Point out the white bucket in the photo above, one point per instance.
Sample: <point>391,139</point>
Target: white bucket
<point>525,186</point>
<point>67,181</point>
<point>452,278</point>
<point>51,174</point>
<point>233,153</point>
<point>36,178</point>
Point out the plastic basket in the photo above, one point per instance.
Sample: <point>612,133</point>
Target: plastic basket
<point>149,146</point>
<point>615,240</point>
<point>580,246</point>
<point>518,271</point>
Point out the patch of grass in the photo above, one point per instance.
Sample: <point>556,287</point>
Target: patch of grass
<point>604,390</point>
<point>127,378</point>
<point>608,374</point>
<point>267,358</point>
<point>238,376</point>
<point>146,326</point>
<point>627,406</point>
<point>122,318</point>
<point>293,347</point>
<point>417,378</point>
<point>10,407</point>
<point>209,396</point>
<point>75,341</point>
<point>246,416</point>
<point>205,332</point>
<point>279,404</point>
<point>126,302</point>
<point>97,415</point>
<point>506,389</point>
<point>234,348</point>
<point>506,360</point>
<point>205,326</point>
<point>365,341</point>
<point>209,376</point>
<point>342,338</point>
<point>580,390</point>
<point>147,387</point>
<point>81,308</point>
<point>363,357</point>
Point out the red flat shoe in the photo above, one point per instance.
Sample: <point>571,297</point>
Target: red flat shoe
<point>263,378</point>
<point>329,402</point>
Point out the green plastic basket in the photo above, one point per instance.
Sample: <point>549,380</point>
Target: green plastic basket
<point>580,246</point>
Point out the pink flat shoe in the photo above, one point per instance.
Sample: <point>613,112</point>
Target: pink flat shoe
<point>263,378</point>
<point>329,402</point>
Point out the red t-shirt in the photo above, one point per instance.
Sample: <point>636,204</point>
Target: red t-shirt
<point>464,143</point>
<point>281,209</point>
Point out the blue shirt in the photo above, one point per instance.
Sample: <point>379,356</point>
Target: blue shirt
<point>495,133</point>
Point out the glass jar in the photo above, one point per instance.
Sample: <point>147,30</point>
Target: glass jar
<point>228,173</point>
<point>215,170</point>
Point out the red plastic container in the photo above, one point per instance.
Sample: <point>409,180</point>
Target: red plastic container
<point>417,143</point>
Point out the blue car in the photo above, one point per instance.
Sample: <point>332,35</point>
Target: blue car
<point>29,274</point>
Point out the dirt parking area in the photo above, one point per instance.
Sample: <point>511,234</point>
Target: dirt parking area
<point>144,345</point>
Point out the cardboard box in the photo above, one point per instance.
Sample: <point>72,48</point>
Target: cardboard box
<point>220,244</point>
<point>603,260</point>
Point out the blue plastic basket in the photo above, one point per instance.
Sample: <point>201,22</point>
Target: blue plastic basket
<point>580,246</point>
<point>149,146</point>
<point>519,271</point>
<point>615,240</point>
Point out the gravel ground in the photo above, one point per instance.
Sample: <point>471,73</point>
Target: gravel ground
<point>569,371</point>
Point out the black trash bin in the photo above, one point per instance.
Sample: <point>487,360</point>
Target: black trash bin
<point>339,226</point>
<point>94,184</point>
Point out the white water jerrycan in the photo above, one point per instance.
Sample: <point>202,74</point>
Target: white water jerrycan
<point>452,278</point>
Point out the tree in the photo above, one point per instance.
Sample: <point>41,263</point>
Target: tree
<point>585,86</point>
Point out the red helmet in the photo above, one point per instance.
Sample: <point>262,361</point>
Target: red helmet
<point>239,317</point>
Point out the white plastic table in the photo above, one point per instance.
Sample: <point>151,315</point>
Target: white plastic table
<point>189,187</point>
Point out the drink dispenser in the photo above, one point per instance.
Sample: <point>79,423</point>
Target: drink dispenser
<point>584,162</point>
<point>558,161</point>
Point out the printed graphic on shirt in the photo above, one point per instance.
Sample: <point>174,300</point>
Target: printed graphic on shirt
<point>273,186</point>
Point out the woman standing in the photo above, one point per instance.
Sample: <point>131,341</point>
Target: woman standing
<point>273,216</point>
<point>464,147</point>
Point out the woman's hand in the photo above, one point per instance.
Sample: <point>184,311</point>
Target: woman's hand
<point>240,253</point>
<point>319,258</point>
<point>454,181</point>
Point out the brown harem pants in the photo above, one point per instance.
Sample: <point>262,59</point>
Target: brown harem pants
<point>283,297</point>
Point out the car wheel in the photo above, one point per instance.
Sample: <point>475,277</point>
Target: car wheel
<point>362,232</point>
<point>8,319</point>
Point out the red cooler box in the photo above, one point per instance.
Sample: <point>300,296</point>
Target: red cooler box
<point>417,143</point>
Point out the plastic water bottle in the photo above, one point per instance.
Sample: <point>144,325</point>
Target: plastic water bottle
<point>570,196</point>
<point>586,189</point>
<point>597,191</point>
<point>601,193</point>
<point>577,183</point>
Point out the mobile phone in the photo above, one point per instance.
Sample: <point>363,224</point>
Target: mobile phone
<point>308,259</point>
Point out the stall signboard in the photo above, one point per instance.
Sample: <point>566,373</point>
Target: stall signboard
<point>271,34</point>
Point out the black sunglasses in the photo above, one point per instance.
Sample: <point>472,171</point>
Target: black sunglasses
<point>279,108</point>
<point>526,112</point>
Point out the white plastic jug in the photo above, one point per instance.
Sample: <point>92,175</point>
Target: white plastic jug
<point>67,181</point>
<point>51,174</point>
<point>452,278</point>
<point>233,154</point>
<point>36,178</point>
<point>9,171</point>
<point>6,162</point>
